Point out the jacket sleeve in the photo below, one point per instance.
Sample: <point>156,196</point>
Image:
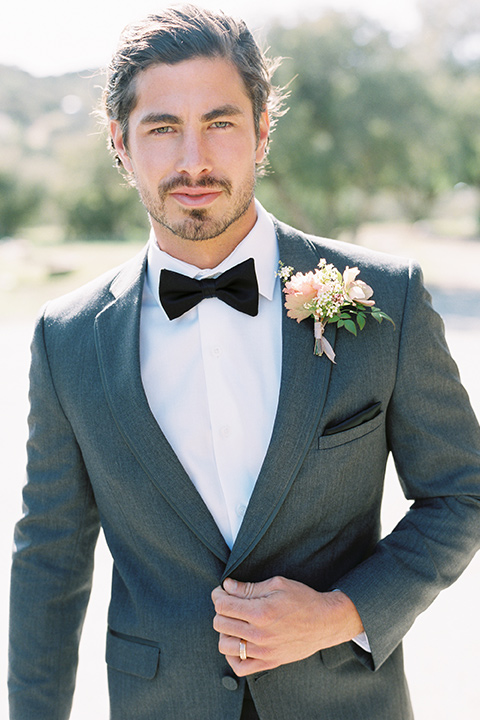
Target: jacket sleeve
<point>435,441</point>
<point>53,557</point>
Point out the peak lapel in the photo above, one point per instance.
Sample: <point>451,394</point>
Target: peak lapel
<point>303,390</point>
<point>117,335</point>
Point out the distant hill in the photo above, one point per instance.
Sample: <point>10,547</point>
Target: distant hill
<point>24,98</point>
<point>42,120</point>
<point>54,165</point>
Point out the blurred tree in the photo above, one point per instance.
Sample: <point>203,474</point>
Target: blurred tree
<point>369,118</point>
<point>100,205</point>
<point>450,34</point>
<point>19,202</point>
<point>361,120</point>
<point>448,49</point>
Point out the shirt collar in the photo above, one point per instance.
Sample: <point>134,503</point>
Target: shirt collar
<point>260,243</point>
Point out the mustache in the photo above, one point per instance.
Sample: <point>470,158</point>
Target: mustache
<point>205,182</point>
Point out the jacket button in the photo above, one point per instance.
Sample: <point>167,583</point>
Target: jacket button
<point>229,682</point>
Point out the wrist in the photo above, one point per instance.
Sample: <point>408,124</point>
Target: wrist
<point>345,616</point>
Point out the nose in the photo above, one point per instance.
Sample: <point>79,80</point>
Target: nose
<point>193,158</point>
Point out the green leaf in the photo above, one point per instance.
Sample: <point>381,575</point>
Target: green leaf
<point>379,315</point>
<point>350,326</point>
<point>361,320</point>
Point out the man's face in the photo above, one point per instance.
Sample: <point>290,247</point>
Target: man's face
<point>192,149</point>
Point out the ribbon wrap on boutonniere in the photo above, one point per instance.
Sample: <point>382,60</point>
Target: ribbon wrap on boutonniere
<point>329,298</point>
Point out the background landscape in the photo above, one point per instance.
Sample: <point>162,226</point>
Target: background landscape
<point>380,146</point>
<point>379,127</point>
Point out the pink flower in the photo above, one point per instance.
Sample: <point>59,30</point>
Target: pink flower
<point>296,308</point>
<point>356,290</point>
<point>300,290</point>
<point>328,297</point>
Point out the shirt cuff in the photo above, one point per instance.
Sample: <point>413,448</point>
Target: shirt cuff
<point>362,641</point>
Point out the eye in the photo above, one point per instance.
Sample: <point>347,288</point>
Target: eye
<point>221,124</point>
<point>162,130</point>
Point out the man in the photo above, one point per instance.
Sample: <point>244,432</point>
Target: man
<point>237,476</point>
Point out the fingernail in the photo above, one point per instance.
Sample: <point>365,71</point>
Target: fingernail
<point>230,585</point>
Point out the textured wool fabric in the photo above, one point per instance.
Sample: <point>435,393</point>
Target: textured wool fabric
<point>97,455</point>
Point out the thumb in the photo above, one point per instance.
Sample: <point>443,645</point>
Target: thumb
<point>246,590</point>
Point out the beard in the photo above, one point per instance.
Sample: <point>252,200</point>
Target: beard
<point>198,223</point>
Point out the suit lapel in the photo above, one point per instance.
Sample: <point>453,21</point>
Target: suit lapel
<point>117,334</point>
<point>303,390</point>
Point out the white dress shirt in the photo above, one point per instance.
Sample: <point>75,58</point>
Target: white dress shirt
<point>212,376</point>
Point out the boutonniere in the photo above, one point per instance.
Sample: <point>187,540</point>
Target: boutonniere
<point>329,298</point>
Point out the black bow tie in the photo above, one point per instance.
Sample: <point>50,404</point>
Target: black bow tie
<point>237,287</point>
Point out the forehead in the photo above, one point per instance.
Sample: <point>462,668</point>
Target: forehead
<point>195,85</point>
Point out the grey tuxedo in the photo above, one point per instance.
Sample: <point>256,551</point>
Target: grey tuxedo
<point>96,455</point>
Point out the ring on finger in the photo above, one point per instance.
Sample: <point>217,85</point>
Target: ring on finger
<point>242,650</point>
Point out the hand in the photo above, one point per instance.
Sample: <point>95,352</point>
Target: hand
<point>281,620</point>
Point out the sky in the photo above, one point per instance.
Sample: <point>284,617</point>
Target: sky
<point>51,37</point>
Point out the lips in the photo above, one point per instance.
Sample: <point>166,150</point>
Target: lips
<point>195,197</point>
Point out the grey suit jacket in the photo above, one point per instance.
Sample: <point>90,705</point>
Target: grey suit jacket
<point>96,455</point>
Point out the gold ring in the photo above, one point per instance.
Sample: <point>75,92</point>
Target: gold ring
<point>242,651</point>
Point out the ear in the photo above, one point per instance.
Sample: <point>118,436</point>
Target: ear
<point>117,139</point>
<point>264,130</point>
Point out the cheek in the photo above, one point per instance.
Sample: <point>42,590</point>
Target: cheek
<point>150,165</point>
<point>241,167</point>
<point>234,155</point>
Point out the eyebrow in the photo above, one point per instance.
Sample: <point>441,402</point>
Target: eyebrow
<point>160,119</point>
<point>227,110</point>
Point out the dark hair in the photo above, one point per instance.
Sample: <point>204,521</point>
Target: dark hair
<point>182,34</point>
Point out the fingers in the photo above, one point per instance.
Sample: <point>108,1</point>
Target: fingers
<point>275,617</point>
<point>247,613</point>
<point>258,658</point>
<point>242,668</point>
<point>232,627</point>
<point>239,615</point>
<point>246,590</point>
<point>230,646</point>
<point>230,606</point>
<point>281,620</point>
<point>249,590</point>
<point>244,601</point>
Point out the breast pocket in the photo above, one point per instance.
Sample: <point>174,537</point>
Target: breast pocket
<point>131,655</point>
<point>325,442</point>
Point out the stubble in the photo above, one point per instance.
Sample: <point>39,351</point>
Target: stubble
<point>198,224</point>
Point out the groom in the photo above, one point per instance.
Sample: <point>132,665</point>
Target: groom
<point>237,476</point>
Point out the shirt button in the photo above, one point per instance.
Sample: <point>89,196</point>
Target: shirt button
<point>241,510</point>
<point>216,351</point>
<point>225,431</point>
<point>229,682</point>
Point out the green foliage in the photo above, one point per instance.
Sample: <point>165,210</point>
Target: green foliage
<point>101,205</point>
<point>361,320</point>
<point>54,139</point>
<point>369,117</point>
<point>19,203</point>
<point>362,120</point>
